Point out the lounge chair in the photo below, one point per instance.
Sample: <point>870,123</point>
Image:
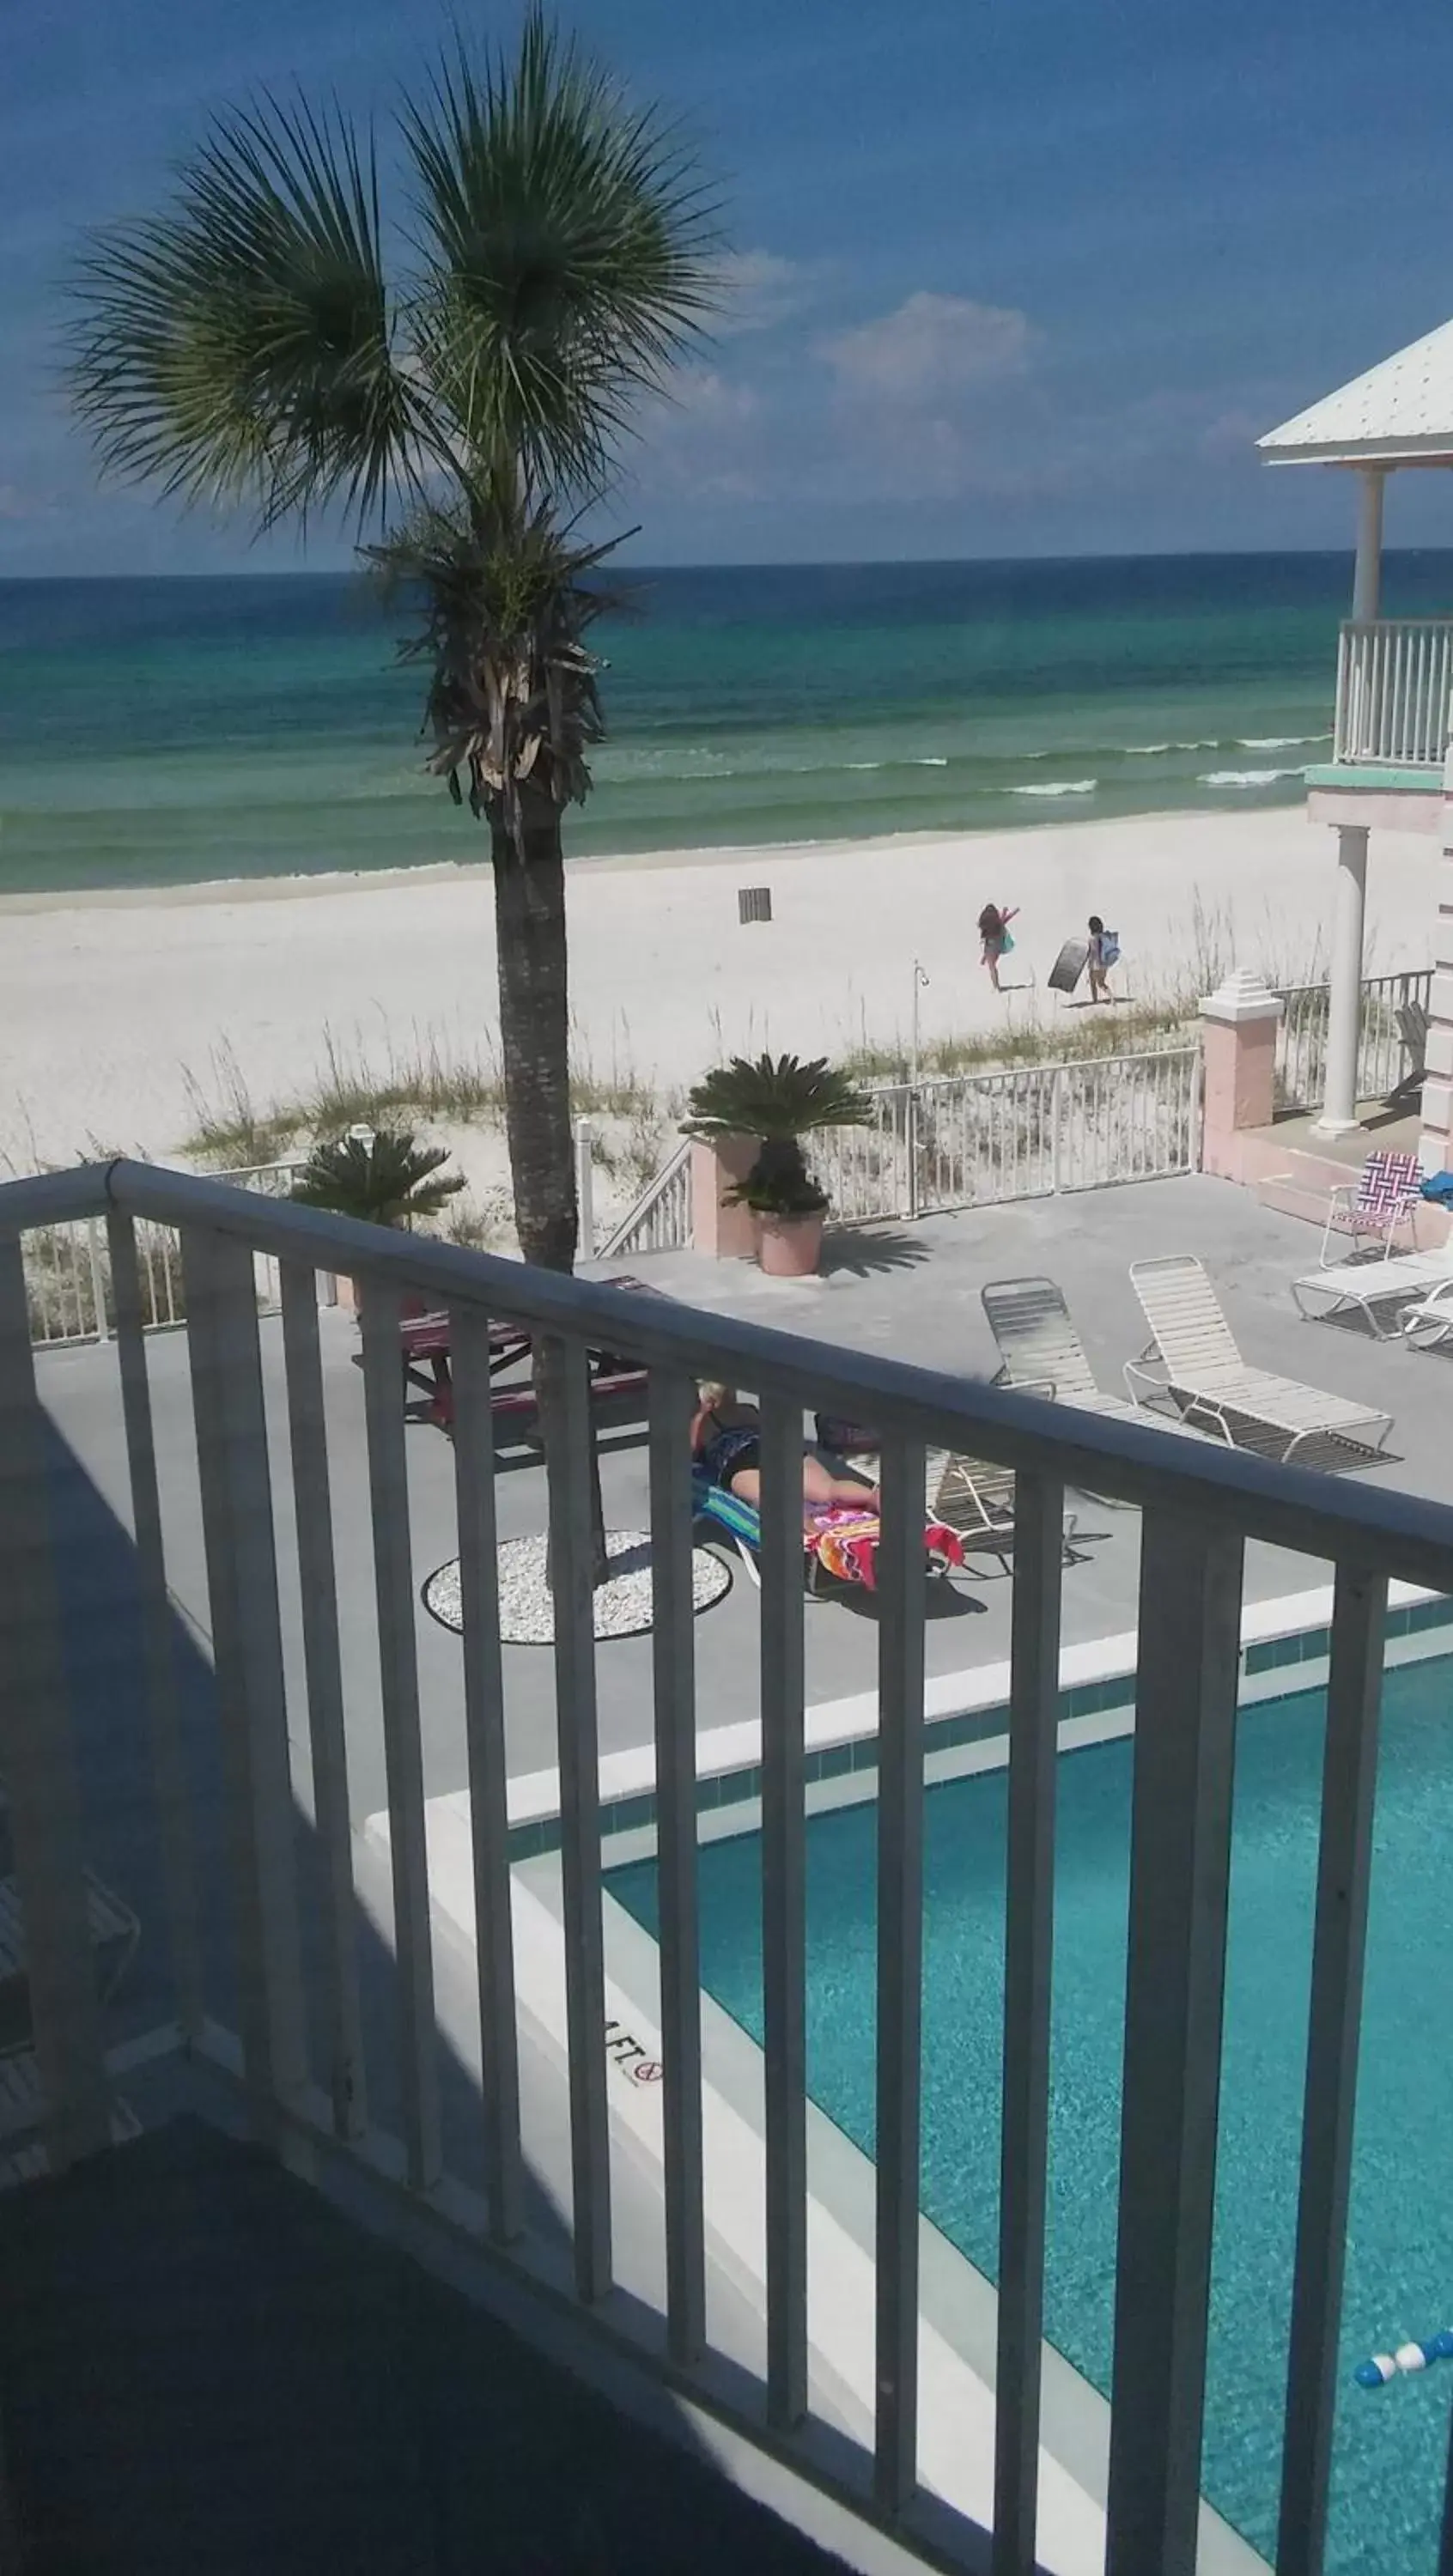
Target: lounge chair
<point>1041,1353</point>
<point>1194,1360</point>
<point>1378,1289</point>
<point>839,1545</point>
<point>971,1496</point>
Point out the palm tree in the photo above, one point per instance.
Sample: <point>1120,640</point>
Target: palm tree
<point>387,1178</point>
<point>252,346</point>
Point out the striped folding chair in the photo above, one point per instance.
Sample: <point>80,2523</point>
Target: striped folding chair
<point>1371,1209</point>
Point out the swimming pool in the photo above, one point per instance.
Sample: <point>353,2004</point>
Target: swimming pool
<point>1391,2446</point>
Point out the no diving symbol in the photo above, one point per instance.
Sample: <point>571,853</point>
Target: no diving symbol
<point>626,2053</point>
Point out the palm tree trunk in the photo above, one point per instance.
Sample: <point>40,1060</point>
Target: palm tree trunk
<point>529,914</point>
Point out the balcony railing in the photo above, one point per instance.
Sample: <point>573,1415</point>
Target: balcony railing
<point>1394,679</point>
<point>293,1945</point>
<point>1385,1056</point>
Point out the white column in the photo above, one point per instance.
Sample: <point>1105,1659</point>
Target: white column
<point>1344,1002</point>
<point>1367,577</point>
<point>1435,1146</point>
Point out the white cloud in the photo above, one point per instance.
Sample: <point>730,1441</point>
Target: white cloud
<point>930,350</point>
<point>17,503</point>
<point>703,436</point>
<point>758,290</point>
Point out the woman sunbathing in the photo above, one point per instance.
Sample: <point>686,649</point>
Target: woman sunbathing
<point>726,1440</point>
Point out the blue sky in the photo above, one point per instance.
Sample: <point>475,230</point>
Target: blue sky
<point>1009,276</point>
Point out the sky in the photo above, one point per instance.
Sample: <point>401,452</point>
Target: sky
<point>1003,277</point>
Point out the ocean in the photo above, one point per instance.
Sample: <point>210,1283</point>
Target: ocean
<point>159,732</point>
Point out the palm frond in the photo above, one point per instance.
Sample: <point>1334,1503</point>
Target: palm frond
<point>385,1179</point>
<point>776,1098</point>
<point>505,601</point>
<point>239,346</point>
<point>569,246</point>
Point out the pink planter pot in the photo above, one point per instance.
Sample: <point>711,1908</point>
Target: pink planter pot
<point>789,1247</point>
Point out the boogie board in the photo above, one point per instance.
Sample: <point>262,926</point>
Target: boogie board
<point>1069,966</point>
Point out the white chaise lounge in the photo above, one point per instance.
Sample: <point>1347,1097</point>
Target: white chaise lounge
<point>1193,1359</point>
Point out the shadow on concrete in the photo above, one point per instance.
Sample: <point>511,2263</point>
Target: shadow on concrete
<point>203,2362</point>
<point>865,1251</point>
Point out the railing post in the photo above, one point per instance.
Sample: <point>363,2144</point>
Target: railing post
<point>898,2124</point>
<point>784,1867</point>
<point>159,1640</point>
<point>1344,1868</point>
<point>1056,1123</point>
<point>37,1755</point>
<point>241,1552</point>
<point>398,1666</point>
<point>1028,1951</point>
<point>98,1278</point>
<point>585,1188</point>
<point>1185,1727</point>
<point>322,1666</point>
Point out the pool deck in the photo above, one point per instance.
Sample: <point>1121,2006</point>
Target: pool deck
<point>902,1292</point>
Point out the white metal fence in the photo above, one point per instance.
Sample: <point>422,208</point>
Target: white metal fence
<point>1394,678</point>
<point>976,1140</point>
<point>1383,1054</point>
<point>68,1269</point>
<point>292,1973</point>
<point>979,1139</point>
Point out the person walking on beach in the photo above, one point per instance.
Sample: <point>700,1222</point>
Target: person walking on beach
<point>1099,968</point>
<point>994,932</point>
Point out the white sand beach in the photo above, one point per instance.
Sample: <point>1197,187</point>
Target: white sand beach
<point>113,1005</point>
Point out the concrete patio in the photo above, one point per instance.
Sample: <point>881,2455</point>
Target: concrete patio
<point>906,1292</point>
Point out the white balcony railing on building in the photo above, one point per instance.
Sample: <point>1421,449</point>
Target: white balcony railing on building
<point>293,1931</point>
<point>1385,1055</point>
<point>1394,683</point>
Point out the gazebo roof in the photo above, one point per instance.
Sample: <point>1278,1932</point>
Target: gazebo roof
<point>1400,413</point>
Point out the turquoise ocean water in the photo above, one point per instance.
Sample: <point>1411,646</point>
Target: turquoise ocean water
<point>163,731</point>
<point>1391,2447</point>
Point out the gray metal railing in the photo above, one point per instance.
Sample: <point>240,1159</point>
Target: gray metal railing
<point>303,2070</point>
<point>1394,680</point>
<point>1382,1055</point>
<point>68,1268</point>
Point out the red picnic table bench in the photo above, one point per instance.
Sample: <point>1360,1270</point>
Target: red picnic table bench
<point>424,1342</point>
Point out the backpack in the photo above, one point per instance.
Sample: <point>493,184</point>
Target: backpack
<point>1110,948</point>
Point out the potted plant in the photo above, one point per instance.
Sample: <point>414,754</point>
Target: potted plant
<point>778,1100</point>
<point>383,1177</point>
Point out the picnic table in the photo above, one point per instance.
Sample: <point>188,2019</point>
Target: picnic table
<point>424,1343</point>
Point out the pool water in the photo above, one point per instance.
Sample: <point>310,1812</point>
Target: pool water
<point>1391,2445</point>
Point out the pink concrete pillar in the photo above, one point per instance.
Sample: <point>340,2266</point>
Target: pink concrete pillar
<point>1239,1088</point>
<point>722,1231</point>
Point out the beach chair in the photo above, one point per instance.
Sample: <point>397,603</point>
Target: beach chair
<point>1385,1195</point>
<point>1412,1029</point>
<point>968,1495</point>
<point>1379,1290</point>
<point>1194,1359</point>
<point>839,1544</point>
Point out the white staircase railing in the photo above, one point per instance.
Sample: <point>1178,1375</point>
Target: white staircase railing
<point>660,1220</point>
